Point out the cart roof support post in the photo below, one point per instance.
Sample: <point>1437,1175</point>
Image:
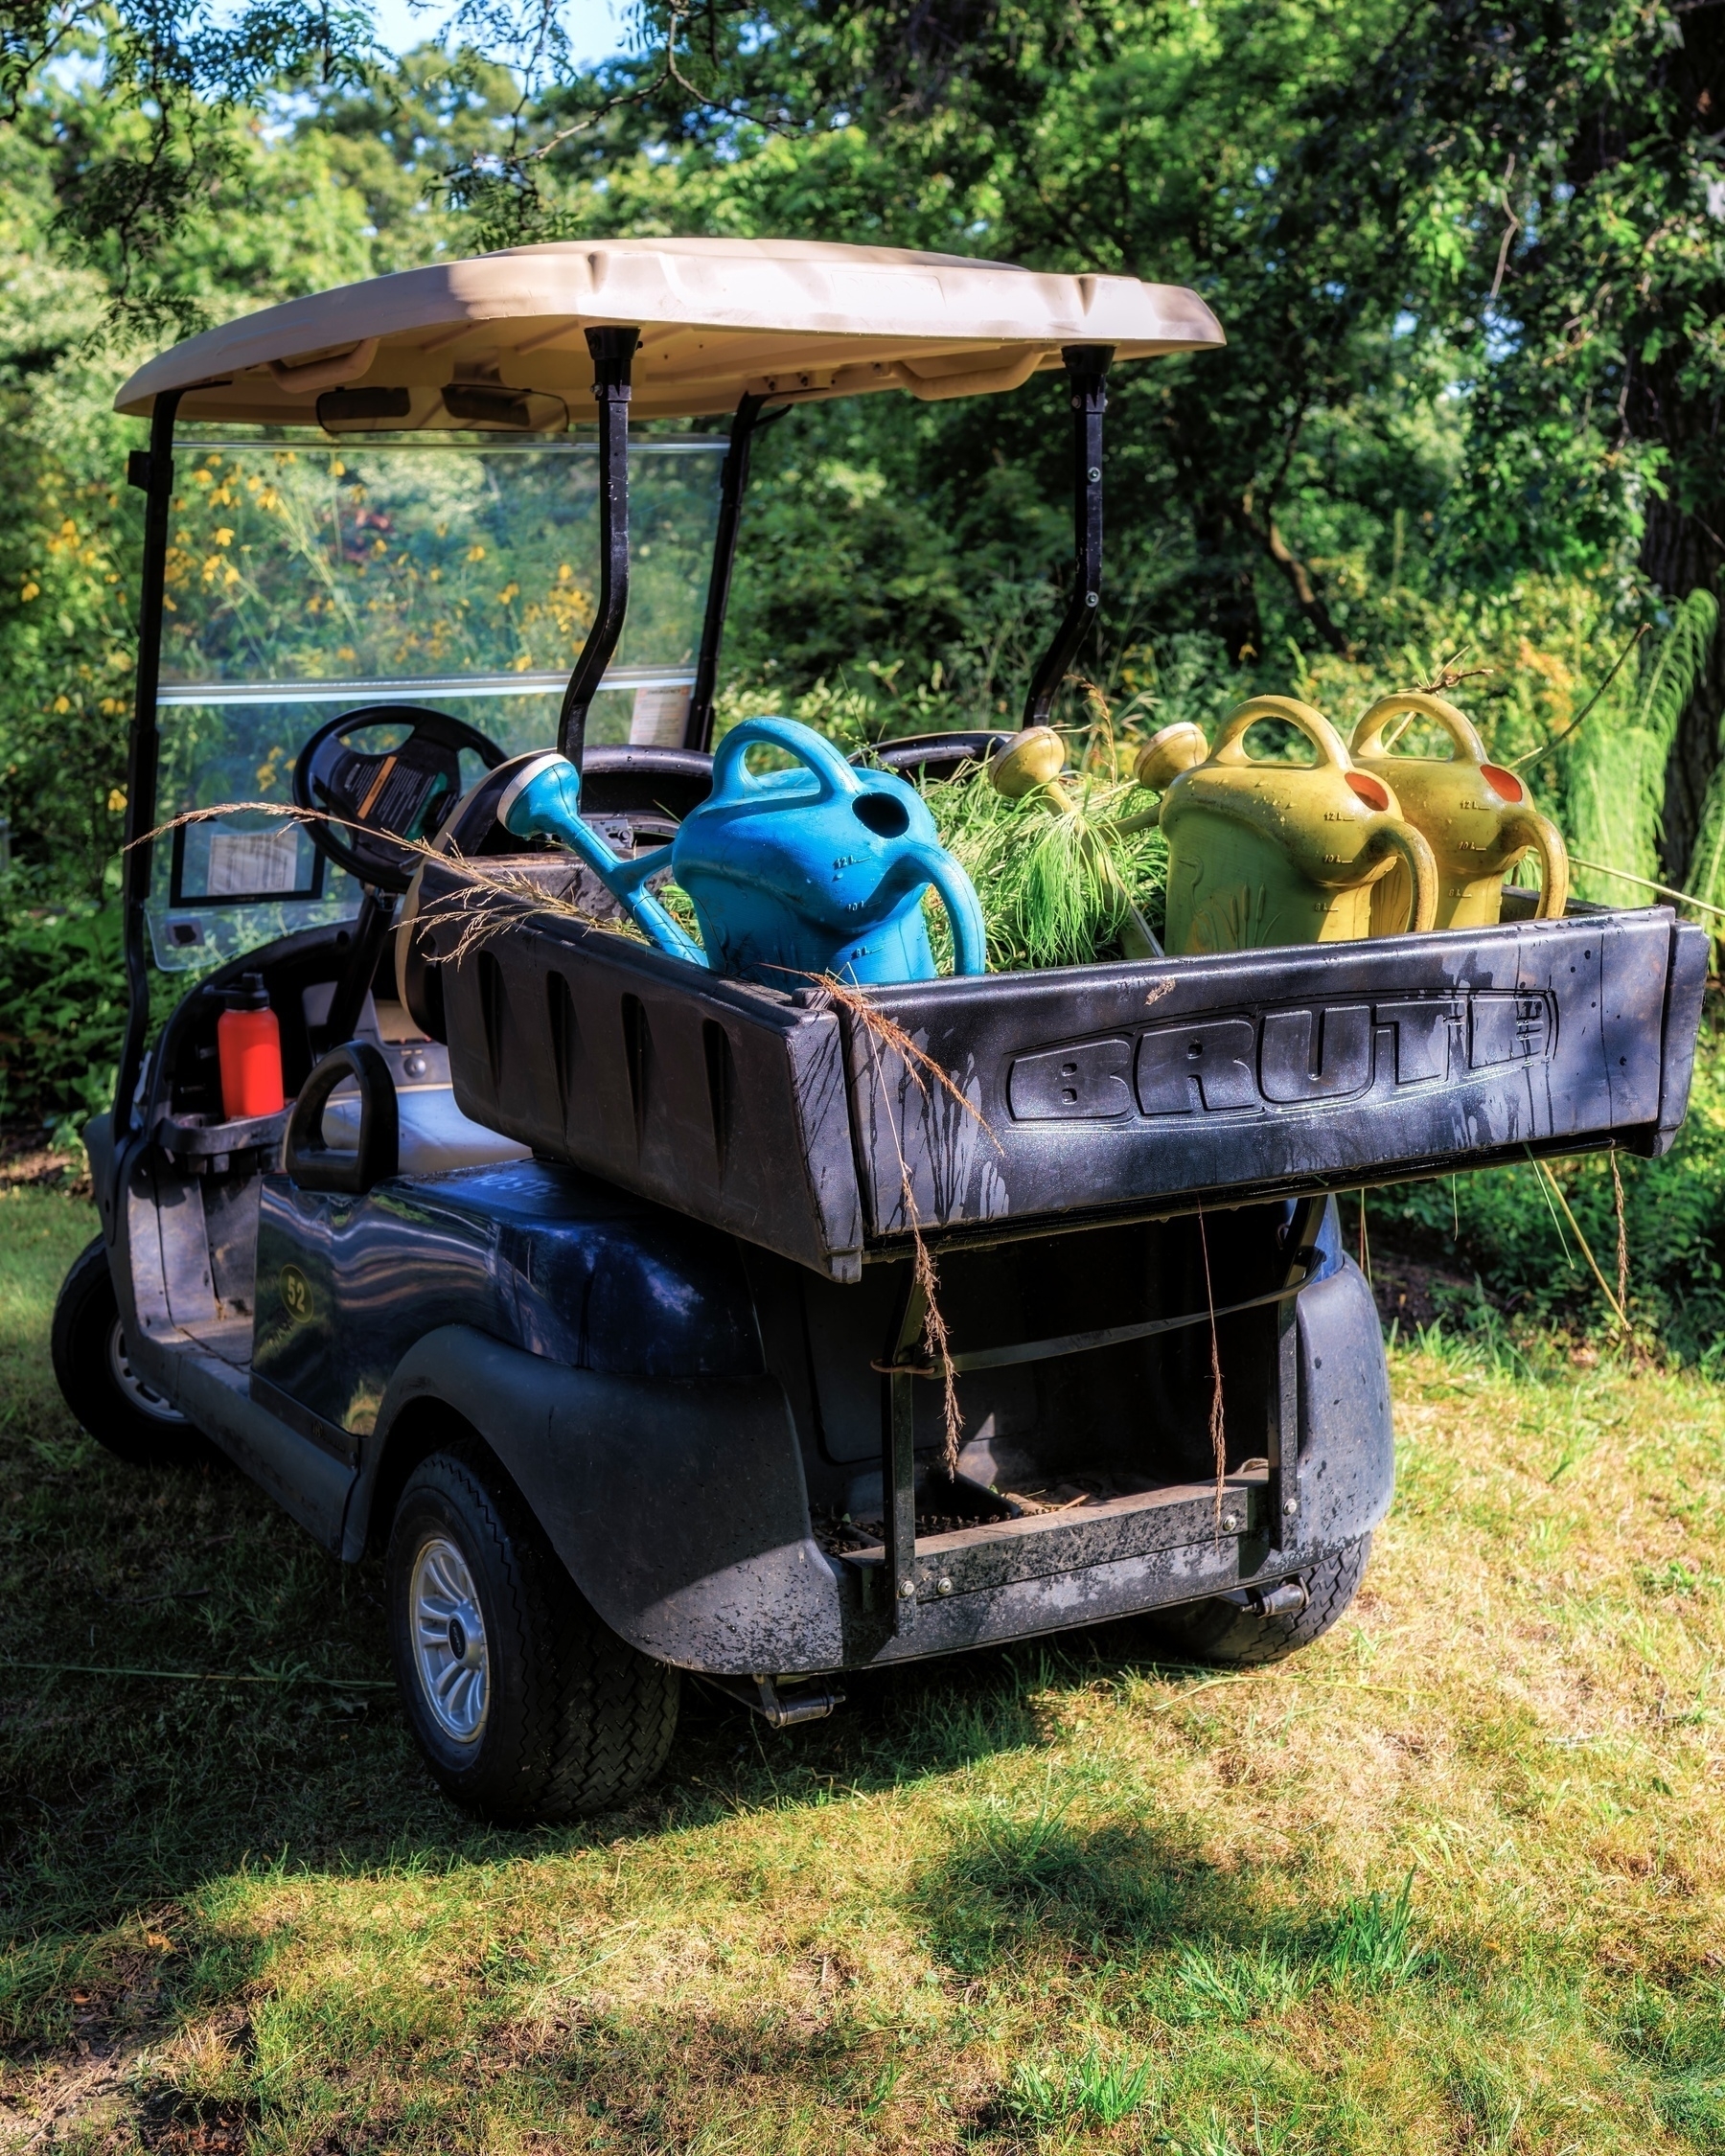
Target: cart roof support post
<point>1087,376</point>
<point>613,354</point>
<point>733,479</point>
<point>152,470</point>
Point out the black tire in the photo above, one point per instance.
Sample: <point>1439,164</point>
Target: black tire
<point>565,1717</point>
<point>98,1383</point>
<point>1222,1632</point>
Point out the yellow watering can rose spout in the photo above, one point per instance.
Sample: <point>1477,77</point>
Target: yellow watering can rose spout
<point>1477,817</point>
<point>1263,853</point>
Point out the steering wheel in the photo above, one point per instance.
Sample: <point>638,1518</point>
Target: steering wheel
<point>383,795</point>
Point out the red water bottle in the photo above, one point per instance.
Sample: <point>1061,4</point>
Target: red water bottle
<point>249,1041</point>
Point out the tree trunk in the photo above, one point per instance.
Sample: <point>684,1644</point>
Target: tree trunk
<point>1306,596</point>
<point>1224,594</point>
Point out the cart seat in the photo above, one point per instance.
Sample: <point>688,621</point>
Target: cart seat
<point>436,1136</point>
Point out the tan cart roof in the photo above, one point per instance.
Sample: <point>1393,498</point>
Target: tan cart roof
<point>787,318</point>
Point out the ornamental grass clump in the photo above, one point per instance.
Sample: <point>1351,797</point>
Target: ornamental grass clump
<point>1056,887</point>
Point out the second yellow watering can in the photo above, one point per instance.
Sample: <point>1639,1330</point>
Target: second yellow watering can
<point>1263,853</point>
<point>1475,817</point>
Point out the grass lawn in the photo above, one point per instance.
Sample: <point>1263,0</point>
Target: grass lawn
<point>1449,1881</point>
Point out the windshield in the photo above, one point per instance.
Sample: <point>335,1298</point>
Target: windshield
<point>305,580</point>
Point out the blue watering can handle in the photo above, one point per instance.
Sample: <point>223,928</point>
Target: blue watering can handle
<point>733,780</point>
<point>959,895</point>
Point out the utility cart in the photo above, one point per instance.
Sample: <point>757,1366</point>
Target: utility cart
<point>584,1282</point>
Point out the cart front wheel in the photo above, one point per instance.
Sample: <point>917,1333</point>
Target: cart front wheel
<point>1223,1632</point>
<point>118,1407</point>
<point>525,1706</point>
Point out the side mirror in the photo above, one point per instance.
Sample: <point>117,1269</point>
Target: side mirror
<point>316,1166</point>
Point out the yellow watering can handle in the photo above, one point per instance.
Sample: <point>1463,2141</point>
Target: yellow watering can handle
<point>1230,748</point>
<point>1526,828</point>
<point>1395,836</point>
<point>1530,829</point>
<point>1368,734</point>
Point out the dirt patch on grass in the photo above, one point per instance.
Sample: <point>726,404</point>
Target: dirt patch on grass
<point>1416,1284</point>
<point>182,2125</point>
<point>28,1162</point>
<point>74,2097</point>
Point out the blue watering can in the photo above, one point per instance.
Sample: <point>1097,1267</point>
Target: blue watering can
<point>793,874</point>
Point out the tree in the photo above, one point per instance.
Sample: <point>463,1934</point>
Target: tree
<point>1205,145</point>
<point>134,163</point>
<point>1593,131</point>
<point>275,218</point>
<point>1514,214</point>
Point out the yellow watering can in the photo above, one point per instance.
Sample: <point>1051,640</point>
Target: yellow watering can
<point>1263,853</point>
<point>1477,817</point>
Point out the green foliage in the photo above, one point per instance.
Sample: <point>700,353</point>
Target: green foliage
<point>155,123</point>
<point>286,217</point>
<point>1501,1227</point>
<point>1370,1942</point>
<point>63,1007</point>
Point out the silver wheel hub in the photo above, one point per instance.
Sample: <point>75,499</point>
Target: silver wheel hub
<point>449,1641</point>
<point>136,1390</point>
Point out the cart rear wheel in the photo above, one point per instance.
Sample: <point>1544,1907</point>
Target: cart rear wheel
<point>118,1407</point>
<point>525,1706</point>
<point>1221,1631</point>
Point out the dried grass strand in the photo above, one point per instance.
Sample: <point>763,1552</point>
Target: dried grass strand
<point>1612,1303</point>
<point>1563,733</point>
<point>1218,1435</point>
<point>1647,883</point>
<point>920,1067</point>
<point>458,909</point>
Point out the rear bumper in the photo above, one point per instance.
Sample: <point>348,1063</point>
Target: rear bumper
<point>681,1513</point>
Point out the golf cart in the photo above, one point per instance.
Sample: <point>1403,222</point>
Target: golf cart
<point>589,1284</point>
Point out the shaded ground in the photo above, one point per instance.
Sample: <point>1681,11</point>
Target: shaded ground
<point>1416,1285</point>
<point>27,1161</point>
<point>1452,1881</point>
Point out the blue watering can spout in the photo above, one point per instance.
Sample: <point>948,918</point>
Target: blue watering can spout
<point>793,875</point>
<point>543,800</point>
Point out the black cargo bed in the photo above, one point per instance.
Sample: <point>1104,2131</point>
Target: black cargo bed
<point>1089,1093</point>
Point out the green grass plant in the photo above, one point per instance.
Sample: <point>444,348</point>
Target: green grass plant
<point>1614,769</point>
<point>1088,2091</point>
<point>1452,1880</point>
<point>1056,887</point>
